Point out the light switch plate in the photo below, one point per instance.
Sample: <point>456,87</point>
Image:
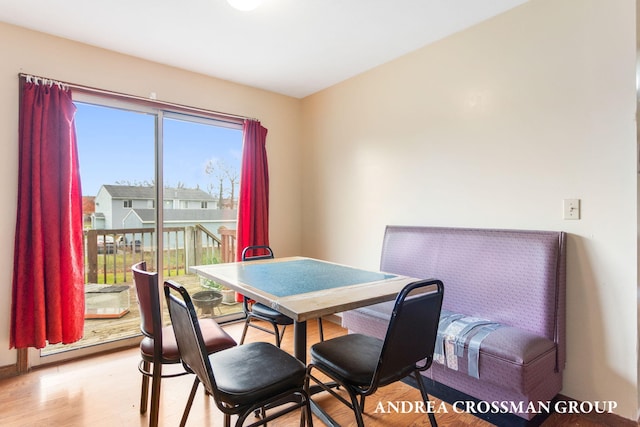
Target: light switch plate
<point>571,209</point>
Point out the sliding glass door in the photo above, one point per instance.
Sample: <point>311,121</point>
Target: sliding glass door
<point>157,186</point>
<point>201,170</point>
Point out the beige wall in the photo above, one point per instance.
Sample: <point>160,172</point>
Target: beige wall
<point>494,127</point>
<point>38,54</point>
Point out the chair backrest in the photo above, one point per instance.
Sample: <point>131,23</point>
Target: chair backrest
<point>148,300</point>
<point>188,334</point>
<point>411,336</point>
<point>252,253</point>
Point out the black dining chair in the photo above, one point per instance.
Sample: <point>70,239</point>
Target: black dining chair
<point>361,364</point>
<point>258,311</point>
<point>159,347</point>
<point>243,379</point>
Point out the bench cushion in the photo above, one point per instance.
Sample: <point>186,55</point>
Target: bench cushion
<point>509,357</point>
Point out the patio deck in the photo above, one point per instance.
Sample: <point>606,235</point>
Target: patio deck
<point>97,331</point>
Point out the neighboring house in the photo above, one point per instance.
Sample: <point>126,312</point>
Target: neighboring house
<point>115,202</point>
<point>211,219</point>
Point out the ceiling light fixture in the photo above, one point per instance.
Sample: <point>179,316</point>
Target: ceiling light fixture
<point>245,5</point>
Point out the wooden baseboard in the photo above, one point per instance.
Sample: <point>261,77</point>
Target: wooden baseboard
<point>21,366</point>
<point>8,371</point>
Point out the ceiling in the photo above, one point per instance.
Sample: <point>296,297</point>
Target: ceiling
<point>292,47</point>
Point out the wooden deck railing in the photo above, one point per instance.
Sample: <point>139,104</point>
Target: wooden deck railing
<point>109,254</point>
<point>228,244</point>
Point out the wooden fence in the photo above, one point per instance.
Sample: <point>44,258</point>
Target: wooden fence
<point>109,254</point>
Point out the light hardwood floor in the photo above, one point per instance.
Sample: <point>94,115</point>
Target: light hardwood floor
<point>104,390</point>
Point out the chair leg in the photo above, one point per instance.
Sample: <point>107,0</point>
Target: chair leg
<point>244,331</point>
<point>306,417</point>
<point>144,393</point>
<point>187,408</point>
<point>303,417</point>
<point>357,410</point>
<point>155,394</point>
<point>425,397</point>
<point>277,333</point>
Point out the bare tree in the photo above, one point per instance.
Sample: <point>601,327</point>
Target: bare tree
<point>234,177</point>
<point>215,169</point>
<point>220,171</point>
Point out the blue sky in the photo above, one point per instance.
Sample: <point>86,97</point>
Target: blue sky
<point>118,145</point>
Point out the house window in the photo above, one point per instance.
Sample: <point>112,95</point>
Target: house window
<point>128,203</point>
<point>203,205</point>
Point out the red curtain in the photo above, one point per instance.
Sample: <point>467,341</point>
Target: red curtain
<point>48,272</point>
<point>253,205</point>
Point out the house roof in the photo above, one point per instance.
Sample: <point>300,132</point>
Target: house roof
<point>148,192</point>
<point>187,215</point>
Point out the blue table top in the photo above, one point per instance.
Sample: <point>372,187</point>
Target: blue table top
<point>304,275</point>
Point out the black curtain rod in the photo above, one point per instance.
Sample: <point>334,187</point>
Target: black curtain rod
<point>148,101</point>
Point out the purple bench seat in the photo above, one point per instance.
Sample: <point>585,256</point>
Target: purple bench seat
<point>515,279</point>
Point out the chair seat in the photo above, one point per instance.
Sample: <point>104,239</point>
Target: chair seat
<point>256,378</point>
<point>353,357</point>
<point>261,310</point>
<point>215,339</point>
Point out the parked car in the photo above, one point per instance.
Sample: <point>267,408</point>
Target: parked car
<point>127,244</point>
<point>106,244</point>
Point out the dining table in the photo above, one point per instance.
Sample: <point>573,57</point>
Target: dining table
<point>305,288</point>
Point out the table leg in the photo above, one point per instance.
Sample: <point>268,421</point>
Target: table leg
<point>300,341</point>
<point>300,352</point>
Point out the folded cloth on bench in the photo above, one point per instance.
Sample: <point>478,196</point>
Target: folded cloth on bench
<point>453,332</point>
<point>473,356</point>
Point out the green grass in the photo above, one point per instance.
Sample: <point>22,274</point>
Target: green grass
<point>112,268</point>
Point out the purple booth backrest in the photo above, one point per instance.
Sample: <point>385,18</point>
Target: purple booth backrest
<point>513,277</point>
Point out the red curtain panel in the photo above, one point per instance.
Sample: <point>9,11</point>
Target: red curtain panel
<point>253,205</point>
<point>48,276</point>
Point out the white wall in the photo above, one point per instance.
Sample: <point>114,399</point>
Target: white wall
<point>35,53</point>
<point>494,127</point>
